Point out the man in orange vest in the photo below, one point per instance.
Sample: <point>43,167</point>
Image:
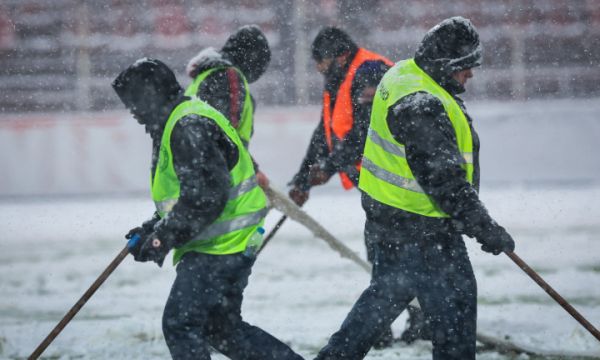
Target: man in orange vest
<point>351,78</point>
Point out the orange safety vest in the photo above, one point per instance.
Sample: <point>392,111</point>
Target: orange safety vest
<point>342,120</point>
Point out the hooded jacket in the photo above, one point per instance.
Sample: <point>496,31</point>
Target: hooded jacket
<point>420,122</point>
<point>202,154</point>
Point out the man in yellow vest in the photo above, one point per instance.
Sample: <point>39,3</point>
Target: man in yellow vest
<point>209,210</point>
<point>222,77</point>
<point>420,180</point>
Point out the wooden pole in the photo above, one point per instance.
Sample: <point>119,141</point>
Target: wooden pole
<point>79,304</point>
<point>272,233</point>
<point>556,296</point>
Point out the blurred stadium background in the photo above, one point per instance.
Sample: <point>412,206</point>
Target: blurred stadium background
<point>62,54</point>
<point>64,131</point>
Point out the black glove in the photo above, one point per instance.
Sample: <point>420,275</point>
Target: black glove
<point>150,248</point>
<point>146,228</point>
<point>298,196</point>
<point>136,230</point>
<point>142,231</point>
<point>317,175</point>
<point>135,245</point>
<point>495,240</point>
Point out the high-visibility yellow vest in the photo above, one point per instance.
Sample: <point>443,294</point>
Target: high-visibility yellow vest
<point>385,174</point>
<point>244,128</point>
<point>246,206</point>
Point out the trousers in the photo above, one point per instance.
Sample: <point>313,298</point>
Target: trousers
<point>432,266</point>
<point>204,310</point>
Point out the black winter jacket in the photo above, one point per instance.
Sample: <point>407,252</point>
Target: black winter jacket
<point>348,152</point>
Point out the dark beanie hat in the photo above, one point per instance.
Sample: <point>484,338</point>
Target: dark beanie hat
<point>248,50</point>
<point>331,42</point>
<point>450,46</point>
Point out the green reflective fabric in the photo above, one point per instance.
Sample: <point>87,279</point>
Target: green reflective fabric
<point>246,206</point>
<point>385,174</point>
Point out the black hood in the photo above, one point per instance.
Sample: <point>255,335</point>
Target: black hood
<point>332,42</point>
<point>248,50</point>
<point>149,89</point>
<point>450,46</point>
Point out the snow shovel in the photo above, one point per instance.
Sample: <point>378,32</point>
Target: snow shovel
<point>84,298</point>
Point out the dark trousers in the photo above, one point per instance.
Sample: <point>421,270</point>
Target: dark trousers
<point>436,269</point>
<point>204,310</point>
<point>387,336</point>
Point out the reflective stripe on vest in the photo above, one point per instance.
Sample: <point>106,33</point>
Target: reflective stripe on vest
<point>245,209</point>
<point>235,192</point>
<point>227,226</point>
<point>339,122</point>
<point>398,149</point>
<point>390,177</point>
<point>386,175</point>
<point>245,126</point>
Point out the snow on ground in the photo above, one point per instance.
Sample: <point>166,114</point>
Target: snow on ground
<point>52,249</point>
<point>300,290</point>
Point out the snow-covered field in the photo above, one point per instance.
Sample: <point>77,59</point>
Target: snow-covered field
<point>541,180</point>
<point>300,290</point>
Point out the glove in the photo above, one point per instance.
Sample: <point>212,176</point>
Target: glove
<point>496,240</point>
<point>262,179</point>
<point>146,228</point>
<point>317,176</point>
<point>141,231</point>
<point>134,244</point>
<point>298,196</point>
<point>149,248</point>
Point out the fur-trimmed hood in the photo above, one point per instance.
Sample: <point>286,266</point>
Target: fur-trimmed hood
<point>206,59</point>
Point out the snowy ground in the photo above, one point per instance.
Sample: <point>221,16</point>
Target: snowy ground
<point>300,290</point>
<point>52,249</point>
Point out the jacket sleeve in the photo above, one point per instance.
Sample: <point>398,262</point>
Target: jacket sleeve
<point>317,150</point>
<point>148,225</point>
<point>420,122</point>
<point>202,168</point>
<point>348,152</point>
